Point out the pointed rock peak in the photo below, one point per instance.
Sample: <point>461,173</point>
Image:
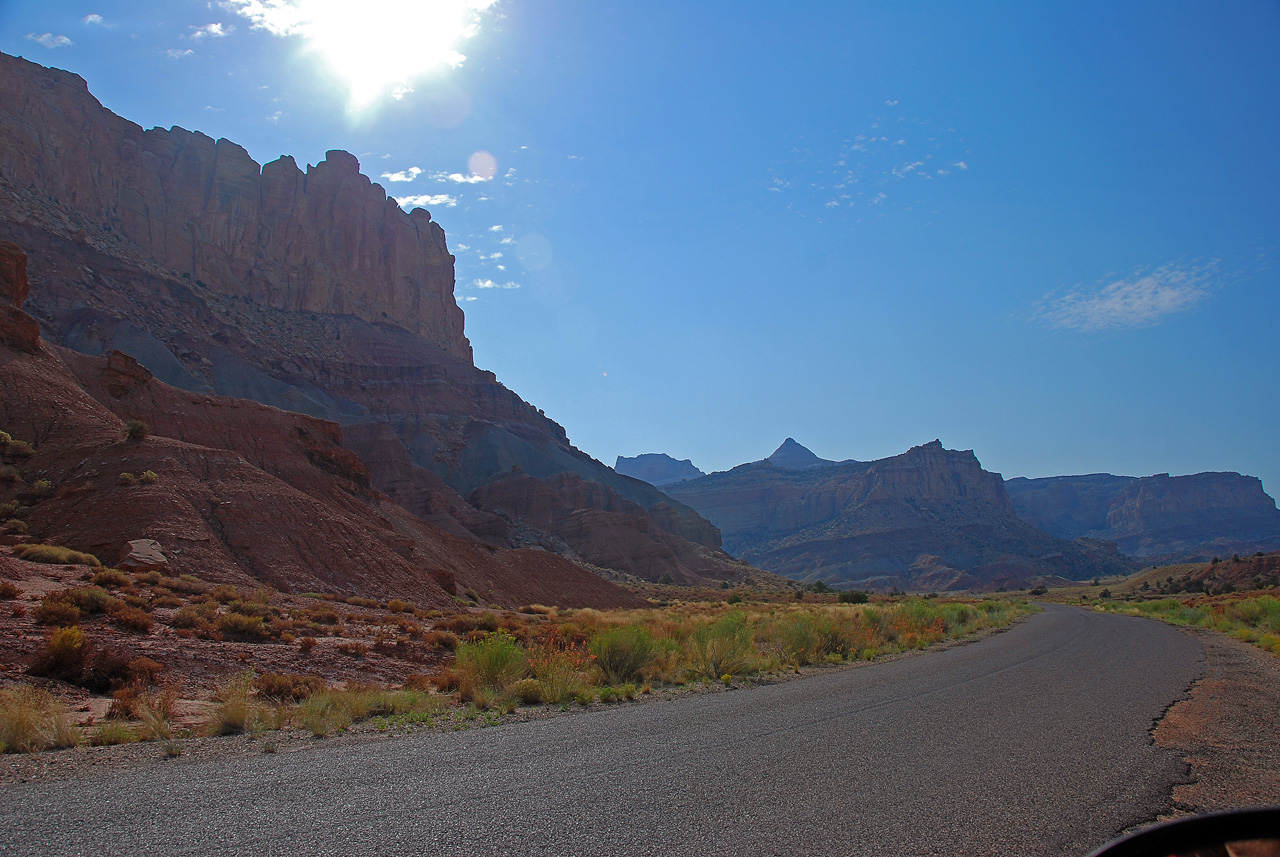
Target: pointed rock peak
<point>793,456</point>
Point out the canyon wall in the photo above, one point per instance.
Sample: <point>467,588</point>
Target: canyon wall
<point>309,291</point>
<point>1159,518</point>
<point>931,518</point>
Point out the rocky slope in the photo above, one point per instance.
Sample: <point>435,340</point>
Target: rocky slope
<point>241,493</point>
<point>308,290</point>
<point>1158,518</point>
<point>930,518</point>
<point>657,468</point>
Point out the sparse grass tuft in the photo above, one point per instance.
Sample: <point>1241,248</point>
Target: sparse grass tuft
<point>232,711</point>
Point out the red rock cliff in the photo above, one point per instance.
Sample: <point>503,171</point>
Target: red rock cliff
<point>326,240</point>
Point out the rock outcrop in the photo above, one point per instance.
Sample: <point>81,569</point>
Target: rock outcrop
<point>792,456</point>
<point>930,518</point>
<point>657,468</point>
<point>1158,518</point>
<point>306,290</point>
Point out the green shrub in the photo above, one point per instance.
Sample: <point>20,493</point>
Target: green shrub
<point>32,720</point>
<point>63,656</point>
<point>237,626</point>
<point>528,691</point>
<point>55,555</point>
<point>56,612</point>
<point>8,474</point>
<point>90,599</point>
<point>622,652</point>
<point>608,695</point>
<point>112,578</point>
<point>42,488</point>
<point>136,430</point>
<point>187,617</point>
<point>113,732</point>
<point>126,478</point>
<point>148,477</point>
<point>853,596</point>
<point>493,662</point>
<point>133,619</point>
<point>18,449</point>
<point>720,647</point>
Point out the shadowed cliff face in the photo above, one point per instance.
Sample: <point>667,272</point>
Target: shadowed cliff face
<point>1162,517</point>
<point>242,493</point>
<point>309,291</point>
<point>930,518</point>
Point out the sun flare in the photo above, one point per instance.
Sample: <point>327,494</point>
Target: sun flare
<point>377,46</point>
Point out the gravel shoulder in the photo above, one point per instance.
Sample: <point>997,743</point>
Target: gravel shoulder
<point>1228,729</point>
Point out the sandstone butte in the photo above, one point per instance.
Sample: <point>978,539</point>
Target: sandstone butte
<point>300,330</point>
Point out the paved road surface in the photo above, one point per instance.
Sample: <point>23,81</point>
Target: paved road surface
<point>1031,742</point>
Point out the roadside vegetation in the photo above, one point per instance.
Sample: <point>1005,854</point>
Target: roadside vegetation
<point>1254,620</point>
<point>461,669</point>
<point>1238,596</point>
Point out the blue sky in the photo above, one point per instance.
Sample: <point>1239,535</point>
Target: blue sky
<point>1046,232</point>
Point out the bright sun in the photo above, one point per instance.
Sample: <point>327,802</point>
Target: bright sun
<point>375,45</point>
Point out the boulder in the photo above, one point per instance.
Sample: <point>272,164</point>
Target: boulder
<point>143,555</point>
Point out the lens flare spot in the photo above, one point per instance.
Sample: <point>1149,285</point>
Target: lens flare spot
<point>483,165</point>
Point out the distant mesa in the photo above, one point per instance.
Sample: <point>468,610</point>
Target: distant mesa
<point>793,456</point>
<point>657,468</point>
<point>1159,518</point>
<point>929,519</point>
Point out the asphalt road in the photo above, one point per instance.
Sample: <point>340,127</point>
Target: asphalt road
<point>1030,742</point>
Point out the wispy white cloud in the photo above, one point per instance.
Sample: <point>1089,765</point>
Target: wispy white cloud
<point>461,247</point>
<point>49,40</point>
<point>209,31</point>
<point>429,199</point>
<point>1142,299</point>
<point>93,18</point>
<point>178,53</point>
<point>275,117</point>
<point>215,109</point>
<point>490,284</point>
<point>458,178</point>
<point>399,92</point>
<point>403,175</point>
<point>960,165</point>
<point>497,227</point>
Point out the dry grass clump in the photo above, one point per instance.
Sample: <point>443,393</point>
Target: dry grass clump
<point>55,555</point>
<point>111,578</point>
<point>237,626</point>
<point>8,591</point>
<point>232,711</point>
<point>133,619</point>
<point>32,720</point>
<point>286,687</point>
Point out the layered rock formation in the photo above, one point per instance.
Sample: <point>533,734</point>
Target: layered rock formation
<point>930,518</point>
<point>657,468</point>
<point>241,493</point>
<point>1158,518</point>
<point>306,290</point>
